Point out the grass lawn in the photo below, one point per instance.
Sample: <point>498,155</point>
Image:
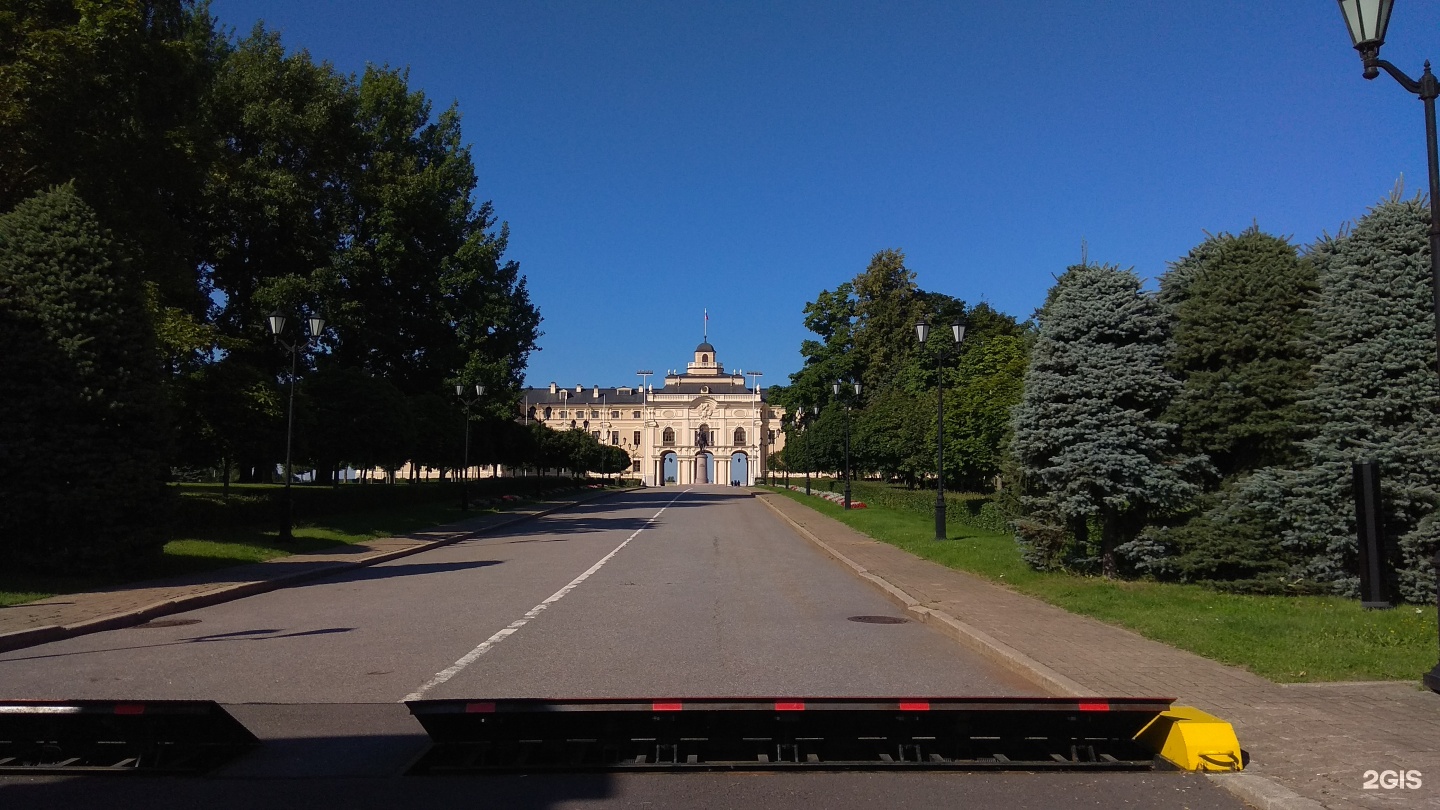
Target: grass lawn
<point>246,545</point>
<point>1283,638</point>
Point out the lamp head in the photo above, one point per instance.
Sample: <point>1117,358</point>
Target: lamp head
<point>277,323</point>
<point>922,330</point>
<point>317,325</point>
<point>1367,21</point>
<point>959,329</point>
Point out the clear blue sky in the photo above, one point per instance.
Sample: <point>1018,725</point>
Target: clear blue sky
<point>655,159</point>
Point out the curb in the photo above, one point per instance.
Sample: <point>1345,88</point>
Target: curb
<point>30,637</point>
<point>1261,792</point>
<point>1255,790</point>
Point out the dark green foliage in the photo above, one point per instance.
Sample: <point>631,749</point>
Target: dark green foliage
<point>1231,544</point>
<point>1241,312</point>
<point>889,436</point>
<point>887,305</point>
<point>1375,397</point>
<point>989,384</point>
<point>237,178</point>
<point>105,93</point>
<point>969,509</point>
<point>1241,309</point>
<point>1094,456</point>
<point>83,482</point>
<point>867,333</point>
<point>349,418</point>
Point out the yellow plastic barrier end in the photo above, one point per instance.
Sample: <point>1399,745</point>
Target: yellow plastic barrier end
<point>1193,740</point>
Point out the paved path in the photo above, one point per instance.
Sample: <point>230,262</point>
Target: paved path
<point>1310,744</point>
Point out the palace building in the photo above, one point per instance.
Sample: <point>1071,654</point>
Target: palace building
<point>703,426</point>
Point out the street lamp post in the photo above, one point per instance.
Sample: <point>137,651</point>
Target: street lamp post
<point>836,388</point>
<point>922,331</point>
<point>278,321</point>
<point>815,414</point>
<point>1367,21</point>
<point>465,458</point>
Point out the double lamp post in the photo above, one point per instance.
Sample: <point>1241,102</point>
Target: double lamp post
<point>1367,21</point>
<point>837,387</point>
<point>922,331</point>
<point>278,321</point>
<point>465,458</point>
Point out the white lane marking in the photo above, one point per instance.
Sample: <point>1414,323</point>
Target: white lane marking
<point>488,644</point>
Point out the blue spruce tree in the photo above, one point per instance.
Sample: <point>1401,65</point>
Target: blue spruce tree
<point>1092,452</point>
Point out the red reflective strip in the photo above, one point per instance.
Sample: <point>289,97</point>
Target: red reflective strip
<point>665,707</point>
<point>915,706</point>
<point>129,708</point>
<point>789,707</point>
<point>1097,706</point>
<point>480,708</point>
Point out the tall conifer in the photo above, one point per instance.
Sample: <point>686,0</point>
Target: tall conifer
<point>1376,397</point>
<point>1091,448</point>
<point>89,475</point>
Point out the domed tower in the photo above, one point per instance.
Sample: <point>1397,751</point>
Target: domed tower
<point>705,364</point>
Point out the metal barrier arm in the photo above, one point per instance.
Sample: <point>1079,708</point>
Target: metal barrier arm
<point>767,733</point>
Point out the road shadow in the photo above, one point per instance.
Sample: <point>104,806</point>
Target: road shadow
<point>264,634</point>
<point>391,571</point>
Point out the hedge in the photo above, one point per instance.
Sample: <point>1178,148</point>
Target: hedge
<point>972,509</point>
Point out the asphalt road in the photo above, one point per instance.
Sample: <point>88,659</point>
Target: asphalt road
<point>655,593</point>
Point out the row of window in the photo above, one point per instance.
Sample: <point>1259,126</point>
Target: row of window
<point>702,437</point>
<point>593,414</point>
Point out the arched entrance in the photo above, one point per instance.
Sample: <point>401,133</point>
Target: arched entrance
<point>669,468</point>
<point>739,469</point>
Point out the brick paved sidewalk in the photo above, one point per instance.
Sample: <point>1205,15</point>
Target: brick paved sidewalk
<point>1314,740</point>
<point>75,614</point>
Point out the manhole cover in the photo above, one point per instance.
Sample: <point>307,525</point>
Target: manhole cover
<point>156,623</point>
<point>878,619</point>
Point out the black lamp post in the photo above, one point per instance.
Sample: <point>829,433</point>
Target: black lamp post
<point>846,402</point>
<point>465,459</point>
<point>278,321</point>
<point>922,331</point>
<point>1367,21</point>
<point>815,414</point>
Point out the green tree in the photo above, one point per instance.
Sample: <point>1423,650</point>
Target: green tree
<point>831,317</point>
<point>889,436</point>
<point>1241,317</point>
<point>1375,397</point>
<point>1240,307</point>
<point>106,93</point>
<point>285,135</point>
<point>887,305</point>
<point>1087,434</point>
<point>988,385</point>
<point>91,474</point>
<point>348,417</point>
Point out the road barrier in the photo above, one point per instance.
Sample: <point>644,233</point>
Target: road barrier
<point>673,734</point>
<point>532,735</point>
<point>98,736</point>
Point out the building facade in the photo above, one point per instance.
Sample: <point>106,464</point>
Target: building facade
<point>703,426</point>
